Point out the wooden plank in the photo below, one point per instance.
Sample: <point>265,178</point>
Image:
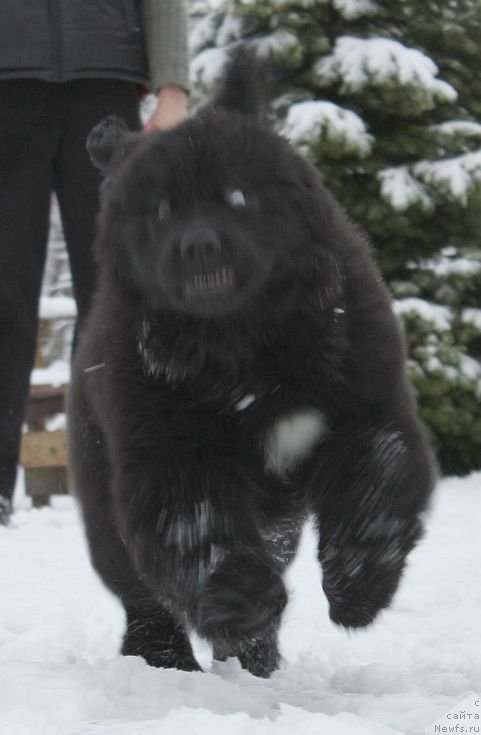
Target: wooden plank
<point>38,412</point>
<point>44,482</point>
<point>38,392</point>
<point>44,449</point>
<point>44,332</point>
<point>45,401</point>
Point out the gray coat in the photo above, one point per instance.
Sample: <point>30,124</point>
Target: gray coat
<point>59,40</point>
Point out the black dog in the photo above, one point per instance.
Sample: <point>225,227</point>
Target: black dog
<point>241,368</point>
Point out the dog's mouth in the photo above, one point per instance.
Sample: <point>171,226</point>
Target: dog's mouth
<point>208,285</point>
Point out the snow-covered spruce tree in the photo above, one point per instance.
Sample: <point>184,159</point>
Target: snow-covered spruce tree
<point>385,98</point>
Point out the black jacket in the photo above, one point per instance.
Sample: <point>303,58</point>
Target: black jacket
<point>59,40</point>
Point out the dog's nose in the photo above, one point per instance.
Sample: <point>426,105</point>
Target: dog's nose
<point>200,247</point>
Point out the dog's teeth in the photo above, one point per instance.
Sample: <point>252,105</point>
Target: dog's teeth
<point>203,282</point>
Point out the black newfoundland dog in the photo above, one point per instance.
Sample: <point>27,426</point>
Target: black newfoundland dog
<point>240,370</point>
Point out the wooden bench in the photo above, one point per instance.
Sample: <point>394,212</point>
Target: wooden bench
<point>44,453</point>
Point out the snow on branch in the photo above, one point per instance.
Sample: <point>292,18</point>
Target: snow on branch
<point>275,4</point>
<point>456,176</point>
<point>402,190</point>
<point>282,43</point>
<point>472,316</point>
<point>230,30</point>
<point>352,9</point>
<point>449,263</point>
<point>463,128</point>
<point>203,33</point>
<point>439,316</point>
<point>206,68</point>
<point>215,4</point>
<point>357,62</point>
<point>309,122</point>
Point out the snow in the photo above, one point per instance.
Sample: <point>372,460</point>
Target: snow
<point>456,175</point>
<point>440,316</point>
<point>458,127</point>
<point>60,673</point>
<point>402,186</point>
<point>283,3</point>
<point>202,34</point>
<point>353,9</point>
<point>230,30</point>
<point>281,43</point>
<point>471,316</point>
<point>310,121</point>
<point>198,7</point>
<point>56,374</point>
<point>401,189</point>
<point>449,262</point>
<point>357,62</point>
<point>206,68</point>
<point>57,307</point>
<point>470,368</point>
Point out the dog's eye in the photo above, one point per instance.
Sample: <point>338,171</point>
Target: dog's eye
<point>236,198</point>
<point>164,209</point>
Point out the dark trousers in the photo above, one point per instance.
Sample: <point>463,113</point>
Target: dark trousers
<point>43,129</point>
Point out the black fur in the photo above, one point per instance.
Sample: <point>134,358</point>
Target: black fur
<point>192,505</point>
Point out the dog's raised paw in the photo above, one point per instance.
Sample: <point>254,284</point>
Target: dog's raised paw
<point>241,598</point>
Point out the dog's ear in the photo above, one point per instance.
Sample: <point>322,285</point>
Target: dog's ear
<point>109,142</point>
<point>243,86</point>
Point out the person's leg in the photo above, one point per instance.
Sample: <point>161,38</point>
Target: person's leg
<point>86,103</point>
<point>26,143</point>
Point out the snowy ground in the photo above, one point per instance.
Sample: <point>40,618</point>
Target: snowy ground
<point>59,634</point>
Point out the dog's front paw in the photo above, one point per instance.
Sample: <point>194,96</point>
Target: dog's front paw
<point>360,581</point>
<point>362,573</point>
<point>241,598</point>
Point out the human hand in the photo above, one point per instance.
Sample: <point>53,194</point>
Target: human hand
<point>170,110</point>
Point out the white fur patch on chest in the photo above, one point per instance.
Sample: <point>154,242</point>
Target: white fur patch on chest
<point>291,440</point>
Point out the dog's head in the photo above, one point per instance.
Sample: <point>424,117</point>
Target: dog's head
<point>213,217</point>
